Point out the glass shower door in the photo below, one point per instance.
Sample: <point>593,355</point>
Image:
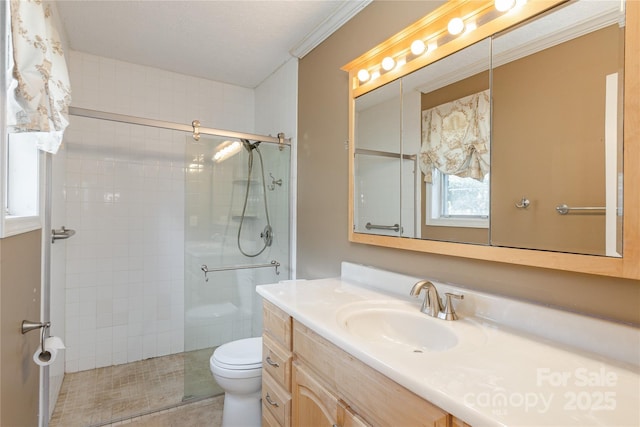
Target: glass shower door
<point>236,228</point>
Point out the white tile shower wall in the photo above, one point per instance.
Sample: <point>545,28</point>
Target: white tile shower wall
<point>277,111</point>
<point>124,194</point>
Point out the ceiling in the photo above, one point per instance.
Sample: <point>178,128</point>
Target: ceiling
<point>238,42</point>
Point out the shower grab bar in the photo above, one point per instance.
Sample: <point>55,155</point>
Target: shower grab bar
<point>275,264</point>
<point>394,227</point>
<point>378,153</point>
<point>564,209</point>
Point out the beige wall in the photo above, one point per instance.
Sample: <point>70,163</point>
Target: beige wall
<point>19,300</point>
<point>322,192</point>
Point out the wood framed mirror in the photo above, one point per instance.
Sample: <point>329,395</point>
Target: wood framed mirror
<point>438,44</point>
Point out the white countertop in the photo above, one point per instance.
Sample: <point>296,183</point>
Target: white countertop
<point>495,376</point>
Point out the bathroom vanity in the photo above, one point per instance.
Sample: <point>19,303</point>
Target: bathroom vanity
<point>357,351</point>
<point>327,386</point>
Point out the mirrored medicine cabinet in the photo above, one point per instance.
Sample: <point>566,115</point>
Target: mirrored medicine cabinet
<point>514,141</point>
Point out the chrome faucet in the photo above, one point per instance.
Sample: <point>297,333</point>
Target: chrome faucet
<point>431,305</point>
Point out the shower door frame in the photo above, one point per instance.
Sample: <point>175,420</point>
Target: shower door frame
<point>195,128</point>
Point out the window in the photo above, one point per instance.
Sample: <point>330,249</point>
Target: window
<point>20,170</point>
<point>457,202</point>
<point>21,198</point>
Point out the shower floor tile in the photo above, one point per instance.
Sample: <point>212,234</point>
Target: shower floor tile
<point>107,395</point>
<point>206,412</point>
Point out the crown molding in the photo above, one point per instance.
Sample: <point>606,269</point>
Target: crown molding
<point>342,14</point>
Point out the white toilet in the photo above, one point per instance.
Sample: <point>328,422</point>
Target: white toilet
<point>237,368</point>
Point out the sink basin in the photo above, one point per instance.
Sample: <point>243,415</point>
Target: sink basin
<point>397,324</point>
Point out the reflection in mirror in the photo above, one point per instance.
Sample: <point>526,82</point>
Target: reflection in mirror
<point>557,131</point>
<point>450,102</point>
<point>395,197</point>
<point>377,163</point>
<point>553,139</point>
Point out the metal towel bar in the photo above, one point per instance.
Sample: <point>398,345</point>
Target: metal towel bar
<point>275,264</point>
<point>394,227</point>
<point>564,209</point>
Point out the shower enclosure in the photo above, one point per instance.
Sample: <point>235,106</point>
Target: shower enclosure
<point>236,237</point>
<point>153,210</point>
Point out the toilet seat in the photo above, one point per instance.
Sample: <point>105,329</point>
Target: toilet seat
<point>240,355</point>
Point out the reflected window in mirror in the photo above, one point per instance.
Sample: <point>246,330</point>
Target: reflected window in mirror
<point>453,201</point>
<point>452,113</point>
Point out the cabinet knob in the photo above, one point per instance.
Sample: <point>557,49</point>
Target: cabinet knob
<point>271,362</point>
<point>271,402</point>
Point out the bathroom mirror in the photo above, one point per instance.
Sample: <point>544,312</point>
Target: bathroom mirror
<point>389,184</point>
<point>557,131</point>
<point>551,189</point>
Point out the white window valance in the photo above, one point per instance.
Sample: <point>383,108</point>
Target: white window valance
<point>456,138</point>
<point>39,93</point>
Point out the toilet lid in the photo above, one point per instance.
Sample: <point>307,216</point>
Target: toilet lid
<point>240,354</point>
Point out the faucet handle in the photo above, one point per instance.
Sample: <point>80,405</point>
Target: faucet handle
<point>449,313</point>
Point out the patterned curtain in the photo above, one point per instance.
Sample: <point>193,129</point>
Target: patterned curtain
<point>39,94</point>
<point>456,138</point>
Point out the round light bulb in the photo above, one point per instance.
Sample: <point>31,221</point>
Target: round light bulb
<point>418,47</point>
<point>388,63</point>
<point>504,5</point>
<point>456,25</point>
<point>363,75</point>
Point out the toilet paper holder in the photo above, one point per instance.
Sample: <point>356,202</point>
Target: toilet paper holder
<point>28,325</point>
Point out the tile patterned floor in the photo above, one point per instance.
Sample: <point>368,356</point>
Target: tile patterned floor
<point>120,393</point>
<point>205,413</point>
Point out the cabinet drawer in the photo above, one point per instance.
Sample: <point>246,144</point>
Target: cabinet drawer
<point>268,420</point>
<point>277,400</point>
<point>277,323</point>
<point>276,362</point>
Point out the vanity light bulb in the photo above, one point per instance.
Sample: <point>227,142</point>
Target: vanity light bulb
<point>363,75</point>
<point>504,5</point>
<point>470,27</point>
<point>418,47</point>
<point>456,25</point>
<point>388,63</point>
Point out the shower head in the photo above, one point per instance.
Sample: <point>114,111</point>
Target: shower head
<point>248,145</point>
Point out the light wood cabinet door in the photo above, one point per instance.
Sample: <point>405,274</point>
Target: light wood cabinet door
<point>457,422</point>
<point>313,405</point>
<point>347,418</point>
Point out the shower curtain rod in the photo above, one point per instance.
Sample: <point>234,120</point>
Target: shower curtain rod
<point>123,118</point>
